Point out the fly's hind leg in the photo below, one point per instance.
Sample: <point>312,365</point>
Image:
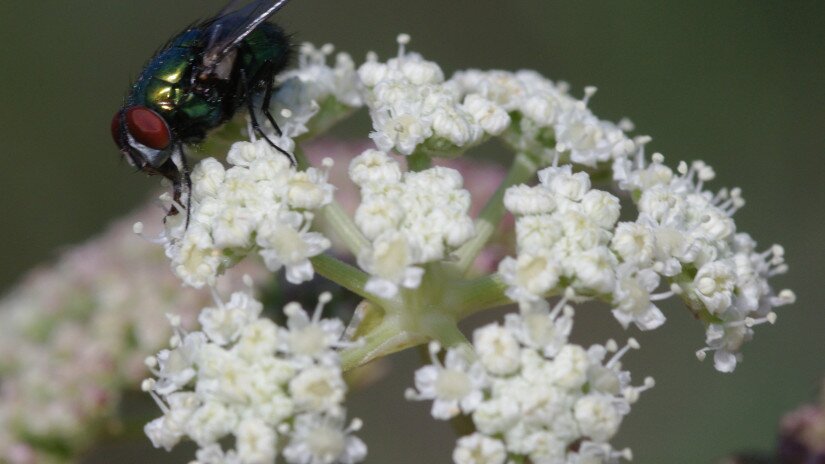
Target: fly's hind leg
<point>267,100</point>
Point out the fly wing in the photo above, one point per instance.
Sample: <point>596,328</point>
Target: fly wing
<point>232,24</point>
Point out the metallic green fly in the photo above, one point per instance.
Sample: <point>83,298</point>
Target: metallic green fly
<point>196,82</point>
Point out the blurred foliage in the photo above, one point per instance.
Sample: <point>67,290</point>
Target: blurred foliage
<point>738,84</point>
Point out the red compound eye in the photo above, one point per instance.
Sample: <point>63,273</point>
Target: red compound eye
<point>146,126</point>
<point>116,130</point>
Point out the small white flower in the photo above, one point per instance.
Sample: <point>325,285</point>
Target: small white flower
<point>283,245</point>
<point>311,338</point>
<point>594,270</point>
<point>161,434</point>
<point>454,386</point>
<point>176,365</point>
<point>324,440</point>
<point>224,324</point>
<point>492,118</point>
<point>210,422</point>
<point>308,190</point>
<point>541,329</point>
<point>318,389</point>
<point>373,166</point>
<point>570,367</point>
<point>529,276</point>
<point>498,349</point>
<point>391,262</point>
<point>634,243</point>
<point>377,215</point>
<point>522,200</point>
<point>207,176</point>
<point>196,261</point>
<point>479,449</point>
<point>601,207</point>
<point>400,130</point>
<point>496,415</point>
<point>597,417</point>
<point>562,181</point>
<point>714,284</point>
<point>632,297</point>
<point>255,442</point>
<point>259,339</point>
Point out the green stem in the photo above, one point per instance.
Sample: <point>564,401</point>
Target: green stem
<point>349,277</point>
<point>336,218</point>
<point>388,337</point>
<point>522,169</point>
<point>474,295</point>
<point>345,229</point>
<point>444,329</point>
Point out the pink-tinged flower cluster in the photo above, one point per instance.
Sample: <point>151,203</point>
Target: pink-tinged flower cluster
<point>74,335</point>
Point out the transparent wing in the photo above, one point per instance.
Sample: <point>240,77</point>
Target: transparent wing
<point>233,23</point>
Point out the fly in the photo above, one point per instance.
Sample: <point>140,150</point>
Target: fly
<point>197,82</point>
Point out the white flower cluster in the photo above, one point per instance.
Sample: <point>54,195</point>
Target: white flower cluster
<point>315,87</point>
<point>551,123</point>
<point>687,234</point>
<point>74,334</point>
<point>411,104</point>
<point>261,203</point>
<point>411,219</point>
<point>567,236</point>
<point>530,393</point>
<point>562,232</point>
<point>274,389</point>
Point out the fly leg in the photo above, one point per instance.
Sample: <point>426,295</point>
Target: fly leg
<point>185,176</point>
<point>270,81</point>
<point>255,126</point>
<point>176,169</point>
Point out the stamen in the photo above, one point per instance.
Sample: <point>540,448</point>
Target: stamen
<point>626,124</point>
<point>434,347</point>
<point>769,318</point>
<point>631,344</point>
<point>785,297</point>
<point>657,158</point>
<point>323,299</point>
<point>781,269</point>
<point>589,91</point>
<point>354,426</point>
<point>640,142</point>
<point>682,168</point>
<point>626,454</point>
<point>137,229</point>
<point>568,294</point>
<point>662,296</point>
<point>403,40</point>
<point>148,386</point>
<point>610,346</point>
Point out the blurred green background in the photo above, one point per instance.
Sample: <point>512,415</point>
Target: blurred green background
<point>738,84</point>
